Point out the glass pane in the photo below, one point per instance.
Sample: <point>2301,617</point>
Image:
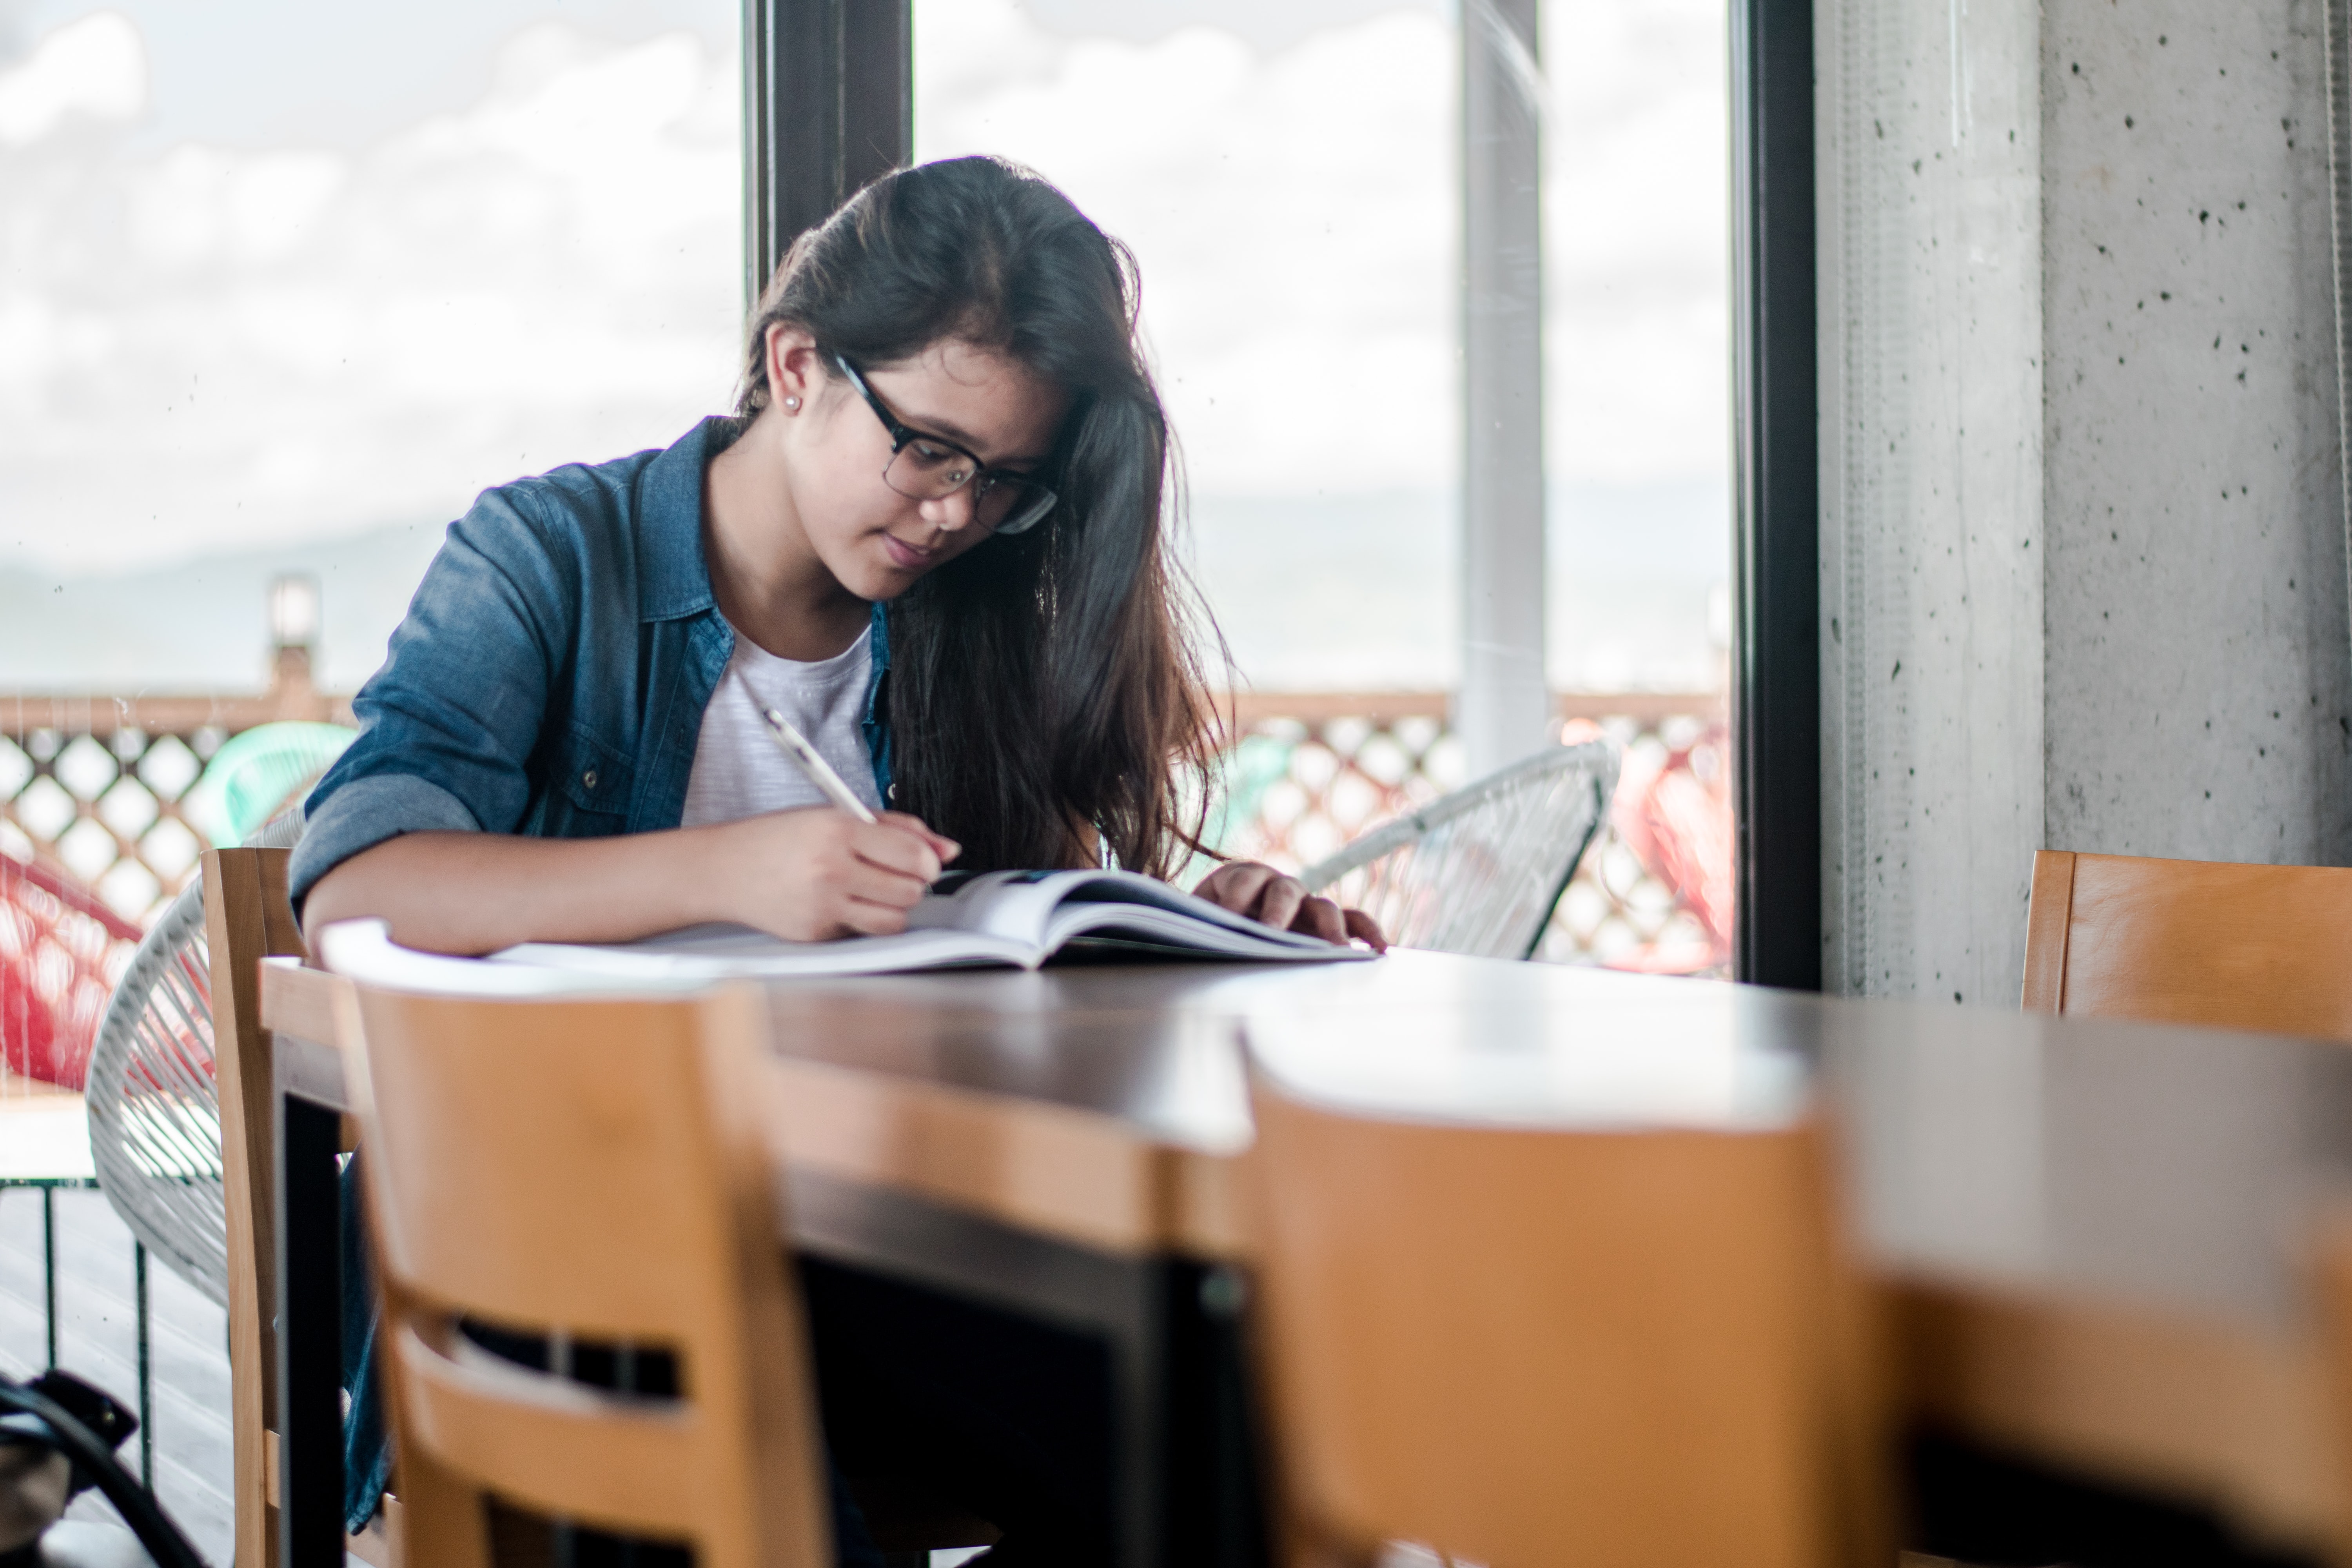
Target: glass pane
<point>1285,174</point>
<point>1287,171</point>
<point>288,284</point>
<point>1637,397</point>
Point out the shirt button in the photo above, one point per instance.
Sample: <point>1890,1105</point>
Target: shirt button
<point>589,778</point>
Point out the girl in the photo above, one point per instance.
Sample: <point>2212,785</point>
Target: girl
<point>945,412</point>
<point>935,537</point>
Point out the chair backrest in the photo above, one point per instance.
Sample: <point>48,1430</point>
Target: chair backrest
<point>2191,942</point>
<point>248,918</point>
<point>1514,1346</point>
<point>1479,871</point>
<point>590,1170</point>
<point>155,1103</point>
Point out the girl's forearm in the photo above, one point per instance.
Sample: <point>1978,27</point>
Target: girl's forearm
<point>478,892</point>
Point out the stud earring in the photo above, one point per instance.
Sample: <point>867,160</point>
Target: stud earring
<point>791,404</point>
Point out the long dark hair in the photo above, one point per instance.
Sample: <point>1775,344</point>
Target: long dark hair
<point>1047,685</point>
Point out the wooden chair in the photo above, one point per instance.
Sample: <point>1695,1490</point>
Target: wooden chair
<point>2191,942</point>
<point>248,918</point>
<point>585,1172</point>
<point>1624,1348</point>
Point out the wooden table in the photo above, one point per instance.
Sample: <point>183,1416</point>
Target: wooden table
<point>2090,1232</point>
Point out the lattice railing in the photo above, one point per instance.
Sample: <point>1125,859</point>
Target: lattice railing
<point>1312,771</point>
<point>96,788</point>
<point>105,807</point>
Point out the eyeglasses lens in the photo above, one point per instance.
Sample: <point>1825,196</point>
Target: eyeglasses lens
<point>928,473</point>
<point>1007,505</point>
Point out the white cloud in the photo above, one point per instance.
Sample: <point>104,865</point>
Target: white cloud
<point>206,347</point>
<point>95,67</point>
<point>1296,214</point>
<point>203,346</point>
<point>1637,247</point>
<point>1292,215</point>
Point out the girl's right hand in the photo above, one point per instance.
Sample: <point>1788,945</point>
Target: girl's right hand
<point>819,873</point>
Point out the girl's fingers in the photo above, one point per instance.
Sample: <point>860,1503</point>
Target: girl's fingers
<point>1279,904</point>
<point>870,884</point>
<point>1365,929</point>
<point>889,847</point>
<point>1321,917</point>
<point>860,917</point>
<point>943,847</point>
<point>1237,887</point>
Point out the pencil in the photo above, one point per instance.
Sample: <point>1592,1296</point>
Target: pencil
<point>820,772</point>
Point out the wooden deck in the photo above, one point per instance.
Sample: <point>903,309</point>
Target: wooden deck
<point>96,1331</point>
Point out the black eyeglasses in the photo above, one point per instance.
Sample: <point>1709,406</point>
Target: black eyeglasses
<point>931,467</point>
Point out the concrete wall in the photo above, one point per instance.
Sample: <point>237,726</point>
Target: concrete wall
<point>2198,670</point>
<point>2083,544</point>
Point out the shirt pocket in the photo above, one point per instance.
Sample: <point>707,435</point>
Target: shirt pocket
<point>593,788</point>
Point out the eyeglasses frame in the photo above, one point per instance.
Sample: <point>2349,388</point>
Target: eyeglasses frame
<point>982,476</point>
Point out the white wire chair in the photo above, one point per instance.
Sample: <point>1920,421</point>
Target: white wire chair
<point>155,1117</point>
<point>154,1113</point>
<point>1479,871</point>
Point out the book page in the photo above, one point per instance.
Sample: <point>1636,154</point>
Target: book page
<point>713,952</point>
<point>1046,909</point>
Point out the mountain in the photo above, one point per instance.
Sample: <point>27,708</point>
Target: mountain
<point>202,623</point>
<point>1312,593</point>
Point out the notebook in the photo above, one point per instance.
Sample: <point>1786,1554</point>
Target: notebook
<point>1015,918</point>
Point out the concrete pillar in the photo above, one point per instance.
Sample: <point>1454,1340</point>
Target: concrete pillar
<point>1928,136</point>
<point>1503,710</point>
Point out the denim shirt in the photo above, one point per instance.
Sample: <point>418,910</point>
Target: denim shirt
<point>550,675</point>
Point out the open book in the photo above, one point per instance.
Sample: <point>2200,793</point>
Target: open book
<point>1017,918</point>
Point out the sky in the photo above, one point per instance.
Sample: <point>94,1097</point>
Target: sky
<point>274,273</point>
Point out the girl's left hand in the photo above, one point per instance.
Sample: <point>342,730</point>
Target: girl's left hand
<point>1264,894</point>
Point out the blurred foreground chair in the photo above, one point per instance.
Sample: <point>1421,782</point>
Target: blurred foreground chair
<point>1630,1349</point>
<point>2191,942</point>
<point>1479,871</point>
<point>589,1173</point>
<point>905,1521</point>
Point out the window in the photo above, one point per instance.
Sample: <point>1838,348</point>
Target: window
<point>287,285</point>
<point>1287,176</point>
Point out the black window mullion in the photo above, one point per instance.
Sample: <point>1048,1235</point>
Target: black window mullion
<point>828,107</point>
<point>1776,644</point>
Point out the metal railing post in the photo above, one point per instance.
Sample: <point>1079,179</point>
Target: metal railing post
<point>50,1266</point>
<point>146,1381</point>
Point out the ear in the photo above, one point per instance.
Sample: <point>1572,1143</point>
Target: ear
<point>794,366</point>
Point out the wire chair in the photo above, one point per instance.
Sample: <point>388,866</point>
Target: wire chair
<point>154,1111</point>
<point>1479,871</point>
<point>155,1117</point>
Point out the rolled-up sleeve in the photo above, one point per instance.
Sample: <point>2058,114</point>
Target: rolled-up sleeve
<point>448,724</point>
<point>365,812</point>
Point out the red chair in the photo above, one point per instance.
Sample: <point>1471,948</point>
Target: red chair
<point>60,952</point>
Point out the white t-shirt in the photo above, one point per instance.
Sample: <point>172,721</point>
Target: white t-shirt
<point>738,769</point>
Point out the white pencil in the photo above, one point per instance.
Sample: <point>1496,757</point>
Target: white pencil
<point>820,772</point>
